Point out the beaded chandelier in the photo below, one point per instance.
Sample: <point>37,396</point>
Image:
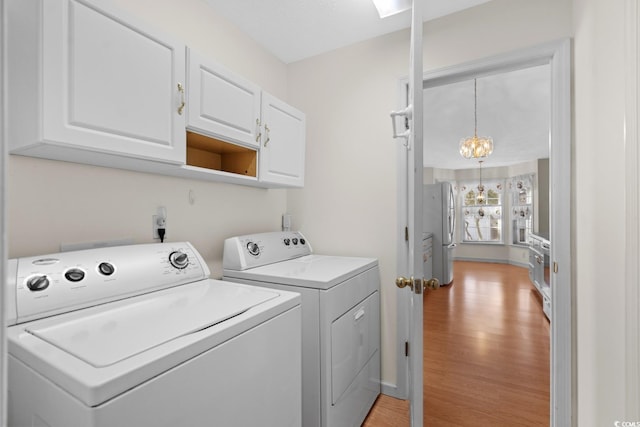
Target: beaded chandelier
<point>476,147</point>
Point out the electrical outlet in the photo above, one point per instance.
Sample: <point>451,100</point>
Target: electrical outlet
<point>155,224</point>
<point>286,222</point>
<point>159,220</point>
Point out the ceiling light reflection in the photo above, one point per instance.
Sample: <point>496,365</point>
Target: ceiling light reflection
<point>391,7</point>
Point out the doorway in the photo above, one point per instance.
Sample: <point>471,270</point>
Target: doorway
<point>556,56</point>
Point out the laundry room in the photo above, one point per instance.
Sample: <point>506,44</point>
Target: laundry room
<point>336,186</point>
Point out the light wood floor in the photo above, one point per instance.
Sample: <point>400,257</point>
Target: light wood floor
<point>486,356</point>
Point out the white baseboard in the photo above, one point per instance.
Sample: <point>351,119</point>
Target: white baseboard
<point>391,390</point>
<point>493,261</point>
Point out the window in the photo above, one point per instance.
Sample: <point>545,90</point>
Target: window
<point>521,190</point>
<point>482,211</point>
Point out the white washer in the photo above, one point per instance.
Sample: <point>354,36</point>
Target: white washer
<point>138,336</point>
<point>340,320</point>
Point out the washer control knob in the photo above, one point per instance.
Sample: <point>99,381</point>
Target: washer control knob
<point>38,283</point>
<point>295,240</point>
<point>106,269</point>
<point>179,259</point>
<point>74,275</point>
<point>302,241</point>
<point>287,241</point>
<point>253,248</point>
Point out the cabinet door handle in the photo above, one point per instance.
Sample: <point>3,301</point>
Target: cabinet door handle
<point>258,133</point>
<point>182,102</point>
<point>359,314</point>
<point>266,129</point>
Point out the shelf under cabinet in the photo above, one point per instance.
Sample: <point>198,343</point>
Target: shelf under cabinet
<point>210,153</point>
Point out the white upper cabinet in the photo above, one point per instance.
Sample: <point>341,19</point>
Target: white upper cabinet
<point>84,76</point>
<point>283,143</point>
<point>88,83</point>
<point>222,104</point>
<point>227,107</point>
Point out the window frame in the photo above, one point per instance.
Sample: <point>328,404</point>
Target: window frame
<point>492,184</point>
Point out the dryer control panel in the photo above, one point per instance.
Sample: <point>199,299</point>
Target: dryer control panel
<point>45,285</point>
<point>255,250</point>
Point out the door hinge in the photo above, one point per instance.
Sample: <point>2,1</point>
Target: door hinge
<point>406,349</point>
<point>406,234</point>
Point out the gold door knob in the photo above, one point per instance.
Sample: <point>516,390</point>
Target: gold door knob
<point>431,283</point>
<point>417,285</point>
<point>403,282</point>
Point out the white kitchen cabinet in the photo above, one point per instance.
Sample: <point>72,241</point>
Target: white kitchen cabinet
<point>88,83</point>
<point>221,103</point>
<point>539,269</point>
<point>283,143</point>
<point>85,80</point>
<point>252,133</point>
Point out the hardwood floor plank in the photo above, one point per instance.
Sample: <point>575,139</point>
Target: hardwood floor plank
<point>486,356</point>
<point>388,412</point>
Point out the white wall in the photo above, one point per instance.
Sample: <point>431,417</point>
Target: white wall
<point>201,28</point>
<point>53,202</point>
<point>348,204</point>
<point>599,220</point>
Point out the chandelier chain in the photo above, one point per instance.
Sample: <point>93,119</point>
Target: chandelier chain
<point>475,107</point>
<point>475,147</point>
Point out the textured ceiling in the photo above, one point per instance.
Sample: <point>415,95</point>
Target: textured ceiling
<point>513,108</point>
<point>297,29</point>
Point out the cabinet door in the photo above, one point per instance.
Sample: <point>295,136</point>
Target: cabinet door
<point>222,104</point>
<point>283,143</point>
<point>111,83</point>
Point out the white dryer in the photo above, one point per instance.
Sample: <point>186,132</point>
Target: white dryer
<point>340,320</point>
<point>139,336</point>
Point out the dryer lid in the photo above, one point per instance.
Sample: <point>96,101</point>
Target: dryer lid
<point>310,271</point>
<point>109,336</point>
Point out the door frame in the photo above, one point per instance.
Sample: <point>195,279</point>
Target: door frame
<point>632,209</point>
<point>562,369</point>
<point>3,234</point>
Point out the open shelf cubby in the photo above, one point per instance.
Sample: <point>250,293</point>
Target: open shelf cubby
<point>210,153</point>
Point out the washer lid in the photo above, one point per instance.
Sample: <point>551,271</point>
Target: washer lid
<point>310,271</point>
<point>112,335</point>
<point>93,386</point>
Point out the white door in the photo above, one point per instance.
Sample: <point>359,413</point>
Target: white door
<point>410,200</point>
<point>415,189</point>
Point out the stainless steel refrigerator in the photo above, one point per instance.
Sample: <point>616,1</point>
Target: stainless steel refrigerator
<point>440,220</point>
